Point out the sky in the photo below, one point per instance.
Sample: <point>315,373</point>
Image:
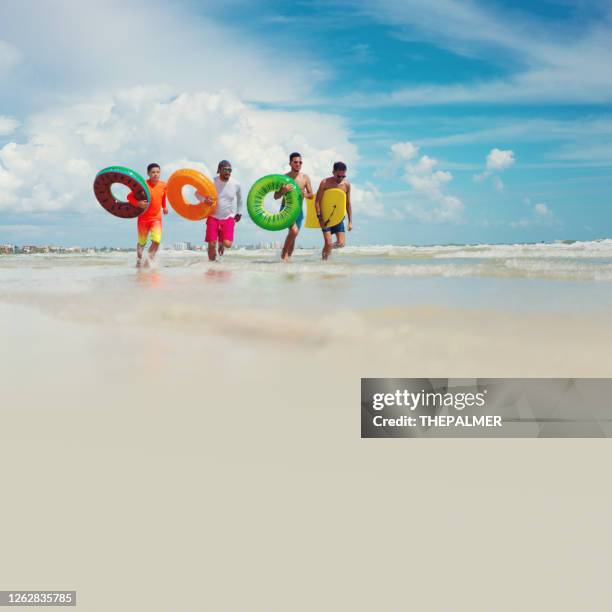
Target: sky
<point>460,122</point>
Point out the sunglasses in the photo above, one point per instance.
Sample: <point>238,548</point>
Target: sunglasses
<point>341,176</point>
<point>295,161</point>
<point>226,169</point>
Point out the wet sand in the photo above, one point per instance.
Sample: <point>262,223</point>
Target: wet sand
<point>158,454</point>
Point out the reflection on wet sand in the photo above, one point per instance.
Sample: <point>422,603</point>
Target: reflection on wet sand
<point>214,274</point>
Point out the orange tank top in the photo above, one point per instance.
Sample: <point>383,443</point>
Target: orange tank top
<point>158,201</point>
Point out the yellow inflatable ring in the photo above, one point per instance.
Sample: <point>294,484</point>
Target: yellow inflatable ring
<point>174,193</point>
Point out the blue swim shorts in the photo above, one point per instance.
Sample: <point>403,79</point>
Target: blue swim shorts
<point>335,229</point>
<point>300,218</point>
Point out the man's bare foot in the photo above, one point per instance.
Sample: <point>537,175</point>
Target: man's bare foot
<point>221,249</point>
<point>138,262</point>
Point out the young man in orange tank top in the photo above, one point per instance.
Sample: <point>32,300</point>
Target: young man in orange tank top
<point>150,221</point>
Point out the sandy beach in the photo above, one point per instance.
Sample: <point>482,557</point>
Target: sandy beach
<point>187,438</point>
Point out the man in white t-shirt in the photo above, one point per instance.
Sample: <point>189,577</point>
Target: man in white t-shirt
<point>220,225</point>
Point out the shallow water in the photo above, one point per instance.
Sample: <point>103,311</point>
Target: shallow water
<point>559,277</point>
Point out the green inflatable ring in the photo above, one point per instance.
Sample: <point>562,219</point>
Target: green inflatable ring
<point>283,218</point>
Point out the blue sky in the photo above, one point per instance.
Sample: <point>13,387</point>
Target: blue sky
<point>460,122</point>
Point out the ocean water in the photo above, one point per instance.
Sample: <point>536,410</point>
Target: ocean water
<point>558,277</point>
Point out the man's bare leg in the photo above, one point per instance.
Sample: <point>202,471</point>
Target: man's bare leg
<point>289,242</point>
<point>212,250</point>
<point>153,250</point>
<point>139,250</point>
<point>327,247</point>
<point>295,230</point>
<point>224,244</point>
<point>339,241</point>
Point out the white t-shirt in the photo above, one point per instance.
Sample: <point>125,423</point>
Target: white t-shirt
<point>229,199</point>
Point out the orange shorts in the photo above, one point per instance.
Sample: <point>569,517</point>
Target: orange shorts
<point>149,226</point>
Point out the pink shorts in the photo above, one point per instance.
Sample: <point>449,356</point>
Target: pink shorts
<point>220,229</point>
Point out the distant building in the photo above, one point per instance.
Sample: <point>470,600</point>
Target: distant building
<point>180,246</point>
<point>7,249</point>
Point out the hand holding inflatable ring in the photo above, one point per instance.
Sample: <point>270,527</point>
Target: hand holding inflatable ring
<point>174,193</point>
<point>292,199</point>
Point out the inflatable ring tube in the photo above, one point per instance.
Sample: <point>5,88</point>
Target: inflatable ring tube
<point>274,221</point>
<point>174,193</point>
<point>118,174</point>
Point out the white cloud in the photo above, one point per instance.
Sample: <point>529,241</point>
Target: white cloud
<point>463,27</point>
<point>401,152</point>
<point>184,162</point>
<point>7,125</point>
<point>498,159</point>
<point>181,98</point>
<point>523,130</point>
<point>53,169</point>
<point>404,150</point>
<point>100,47</point>
<point>585,140</point>
<point>541,215</point>
<point>555,61</point>
<point>425,165</point>
<point>594,151</point>
<point>367,200</point>
<point>437,206</point>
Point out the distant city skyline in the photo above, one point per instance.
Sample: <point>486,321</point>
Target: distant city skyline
<point>9,248</point>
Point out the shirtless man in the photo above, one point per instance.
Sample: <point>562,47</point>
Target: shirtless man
<point>303,182</point>
<point>337,181</point>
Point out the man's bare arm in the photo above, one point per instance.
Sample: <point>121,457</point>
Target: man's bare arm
<point>308,192</point>
<point>318,199</point>
<point>349,208</point>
